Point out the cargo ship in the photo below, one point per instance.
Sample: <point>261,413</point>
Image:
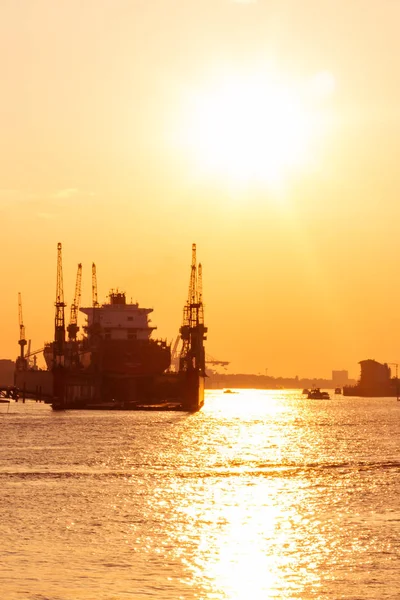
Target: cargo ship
<point>117,364</point>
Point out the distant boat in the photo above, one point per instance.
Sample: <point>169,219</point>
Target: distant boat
<point>338,390</point>
<point>229,392</point>
<point>316,394</point>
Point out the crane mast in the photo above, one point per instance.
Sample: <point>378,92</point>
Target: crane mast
<point>94,286</point>
<point>73,322</point>
<point>21,360</point>
<point>59,321</point>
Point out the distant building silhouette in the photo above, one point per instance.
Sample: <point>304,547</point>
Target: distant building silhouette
<point>374,374</point>
<point>7,368</point>
<point>375,380</point>
<point>340,378</point>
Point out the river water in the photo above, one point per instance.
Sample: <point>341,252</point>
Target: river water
<point>260,495</point>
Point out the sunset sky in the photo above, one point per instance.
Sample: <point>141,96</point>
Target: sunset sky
<point>268,132</point>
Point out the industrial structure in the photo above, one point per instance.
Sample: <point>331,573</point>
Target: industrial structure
<point>116,363</point>
<point>375,381</point>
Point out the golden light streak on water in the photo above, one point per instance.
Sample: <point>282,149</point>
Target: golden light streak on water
<point>238,561</point>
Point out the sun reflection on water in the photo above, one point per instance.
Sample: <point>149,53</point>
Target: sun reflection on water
<point>249,553</point>
<point>245,523</point>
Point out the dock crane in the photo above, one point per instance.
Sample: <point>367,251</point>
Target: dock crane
<point>21,360</point>
<point>192,357</point>
<point>73,321</point>
<point>196,281</point>
<point>59,320</point>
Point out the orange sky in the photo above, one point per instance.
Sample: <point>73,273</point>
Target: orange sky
<point>106,146</point>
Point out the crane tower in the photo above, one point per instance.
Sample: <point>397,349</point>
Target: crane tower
<point>59,321</point>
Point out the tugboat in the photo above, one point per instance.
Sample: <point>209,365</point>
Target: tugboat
<point>316,394</point>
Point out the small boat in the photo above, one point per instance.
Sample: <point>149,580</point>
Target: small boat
<point>338,390</point>
<point>228,391</point>
<point>316,394</point>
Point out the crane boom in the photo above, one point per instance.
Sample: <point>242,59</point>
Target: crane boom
<point>193,278</point>
<point>200,294</point>
<point>94,286</point>
<point>28,351</point>
<point>77,297</point>
<point>73,322</point>
<point>20,320</point>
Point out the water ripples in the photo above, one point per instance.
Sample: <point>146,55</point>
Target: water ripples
<point>261,495</point>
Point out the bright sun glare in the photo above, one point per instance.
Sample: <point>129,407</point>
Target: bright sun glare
<point>255,129</point>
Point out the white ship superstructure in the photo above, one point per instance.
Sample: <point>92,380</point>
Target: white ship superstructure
<point>119,320</point>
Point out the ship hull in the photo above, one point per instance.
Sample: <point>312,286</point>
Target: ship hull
<point>371,392</point>
<point>169,391</point>
<point>137,358</point>
<point>124,357</point>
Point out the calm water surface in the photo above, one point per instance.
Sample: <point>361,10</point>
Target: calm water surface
<point>260,495</point>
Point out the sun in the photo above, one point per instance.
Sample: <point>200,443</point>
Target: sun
<point>257,128</point>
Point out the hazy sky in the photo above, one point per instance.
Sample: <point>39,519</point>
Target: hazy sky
<point>268,132</point>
